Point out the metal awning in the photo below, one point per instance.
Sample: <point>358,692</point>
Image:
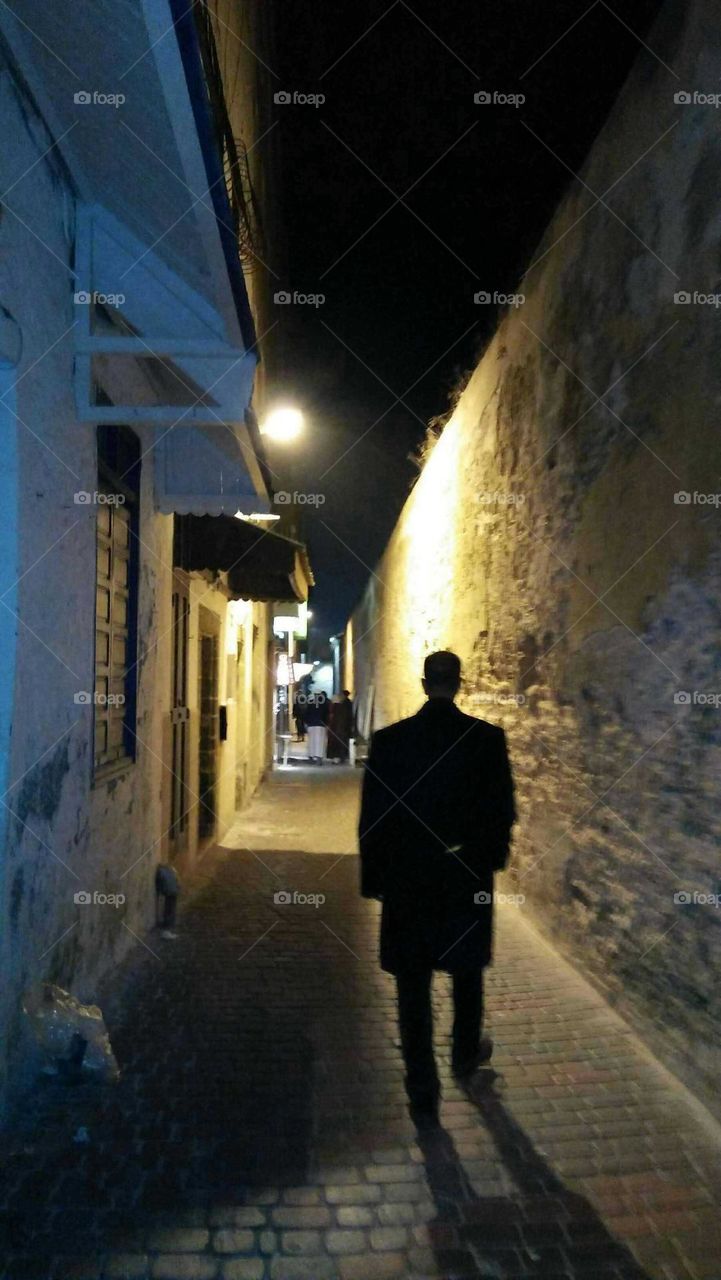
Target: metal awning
<point>162,324</point>
<point>197,473</point>
<point>260,565</point>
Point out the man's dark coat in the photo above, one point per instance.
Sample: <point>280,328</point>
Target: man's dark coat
<point>433,782</point>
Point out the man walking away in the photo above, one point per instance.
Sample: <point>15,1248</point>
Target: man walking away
<point>340,727</point>
<point>435,825</point>
<point>298,717</point>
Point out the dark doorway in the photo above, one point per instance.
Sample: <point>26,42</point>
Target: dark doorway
<point>208,705</point>
<point>179,718</point>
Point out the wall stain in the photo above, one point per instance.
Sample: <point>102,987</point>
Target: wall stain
<point>41,789</point>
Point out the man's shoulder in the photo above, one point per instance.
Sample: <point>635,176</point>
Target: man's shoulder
<point>410,724</point>
<point>481,727</point>
<point>391,732</point>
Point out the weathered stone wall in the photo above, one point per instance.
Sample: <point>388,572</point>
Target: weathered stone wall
<point>544,543</point>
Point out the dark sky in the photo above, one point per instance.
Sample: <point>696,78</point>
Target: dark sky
<point>399,310</point>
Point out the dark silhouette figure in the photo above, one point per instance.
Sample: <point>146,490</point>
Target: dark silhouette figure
<point>435,825</point>
<point>340,726</point>
<point>299,718</point>
<point>542,1230</point>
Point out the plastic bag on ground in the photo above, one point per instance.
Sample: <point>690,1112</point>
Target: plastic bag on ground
<point>72,1036</point>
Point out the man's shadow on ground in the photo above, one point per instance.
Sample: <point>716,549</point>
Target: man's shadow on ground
<point>544,1231</point>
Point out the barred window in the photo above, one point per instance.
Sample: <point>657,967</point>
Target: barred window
<point>116,599</point>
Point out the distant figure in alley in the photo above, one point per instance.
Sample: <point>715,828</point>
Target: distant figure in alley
<point>435,825</point>
<point>315,716</point>
<point>340,727</point>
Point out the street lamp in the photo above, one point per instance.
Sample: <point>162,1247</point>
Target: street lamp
<point>283,424</point>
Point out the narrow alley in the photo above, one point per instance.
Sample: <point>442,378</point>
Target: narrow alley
<point>360,605</point>
<point>259,1127</point>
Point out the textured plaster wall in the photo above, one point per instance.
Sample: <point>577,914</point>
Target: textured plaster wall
<point>65,834</point>
<point>67,831</point>
<point>542,542</point>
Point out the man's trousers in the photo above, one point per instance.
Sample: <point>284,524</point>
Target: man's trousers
<point>415,1018</point>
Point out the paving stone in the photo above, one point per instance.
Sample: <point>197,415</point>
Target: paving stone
<point>301,1195</point>
<point>126,1266</point>
<point>393,1172</point>
<point>242,1269</point>
<point>184,1266</point>
<point>231,1240</point>
<point>178,1240</point>
<point>301,1243</point>
<point>345,1241</point>
<point>306,1216</point>
<point>354,1216</point>
<point>389,1238</point>
<point>319,1268</point>
<point>378,1266</point>
<point>396,1215</point>
<point>237,1216</point>
<point>267,1242</point>
<point>352,1194</point>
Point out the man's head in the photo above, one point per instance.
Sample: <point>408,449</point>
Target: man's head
<point>442,674</point>
<point>346,693</point>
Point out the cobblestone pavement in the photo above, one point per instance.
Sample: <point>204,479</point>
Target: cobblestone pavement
<point>259,1128</point>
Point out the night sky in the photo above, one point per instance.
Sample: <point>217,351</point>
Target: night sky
<point>399,319</point>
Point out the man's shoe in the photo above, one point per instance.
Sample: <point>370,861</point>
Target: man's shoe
<point>466,1067</point>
